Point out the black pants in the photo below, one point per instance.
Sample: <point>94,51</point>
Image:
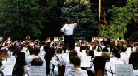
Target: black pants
<point>70,41</point>
<point>48,67</point>
<point>18,71</point>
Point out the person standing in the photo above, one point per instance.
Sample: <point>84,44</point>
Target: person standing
<point>68,33</point>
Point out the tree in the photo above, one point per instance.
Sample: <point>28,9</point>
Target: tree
<point>134,36</point>
<point>81,10</point>
<point>20,18</point>
<point>120,17</point>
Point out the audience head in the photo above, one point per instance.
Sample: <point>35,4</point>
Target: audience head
<point>31,51</point>
<point>106,55</point>
<point>105,49</point>
<point>99,64</point>
<point>96,42</point>
<point>121,43</point>
<point>76,61</point>
<point>91,53</point>
<point>4,54</point>
<point>59,50</point>
<point>117,55</point>
<point>130,43</point>
<point>36,51</point>
<point>93,48</point>
<point>123,48</point>
<point>72,53</point>
<point>36,62</point>
<point>102,43</point>
<point>46,48</point>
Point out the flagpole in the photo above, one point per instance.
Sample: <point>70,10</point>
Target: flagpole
<point>99,16</point>
<point>99,10</point>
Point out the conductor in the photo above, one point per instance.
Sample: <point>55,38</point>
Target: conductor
<point>68,33</point>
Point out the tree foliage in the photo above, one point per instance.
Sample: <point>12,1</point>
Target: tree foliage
<point>120,17</point>
<point>36,18</point>
<point>20,17</point>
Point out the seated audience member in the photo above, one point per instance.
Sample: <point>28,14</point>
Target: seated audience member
<point>121,43</point>
<point>112,45</point>
<point>61,43</point>
<point>72,53</point>
<point>124,56</point>
<point>106,56</point>
<point>36,51</point>
<point>134,47</point>
<point>37,45</point>
<point>76,71</point>
<point>84,48</point>
<point>114,51</point>
<point>134,60</point>
<point>31,44</point>
<point>99,65</point>
<point>105,49</point>
<point>102,43</point>
<point>97,52</point>
<point>87,51</point>
<point>115,60</point>
<point>91,53</point>
<point>96,42</point>
<point>125,43</point>
<point>78,43</point>
<point>59,50</point>
<point>87,44</point>
<point>31,57</point>
<point>37,62</point>
<point>130,44</point>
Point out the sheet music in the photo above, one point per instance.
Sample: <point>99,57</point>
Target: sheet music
<point>128,51</point>
<point>90,47</point>
<point>38,71</point>
<point>86,58</point>
<point>123,70</point>
<point>8,70</point>
<point>77,49</point>
<point>135,72</point>
<point>83,51</point>
<point>85,64</point>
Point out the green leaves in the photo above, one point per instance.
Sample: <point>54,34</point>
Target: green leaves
<point>20,17</point>
<point>120,17</point>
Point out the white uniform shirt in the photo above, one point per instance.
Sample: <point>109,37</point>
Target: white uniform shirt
<point>76,72</point>
<point>124,57</point>
<point>68,30</point>
<point>29,59</point>
<point>113,62</point>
